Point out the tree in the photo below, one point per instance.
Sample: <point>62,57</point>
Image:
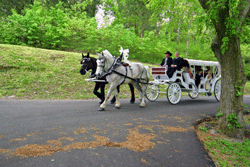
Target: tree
<point>7,5</point>
<point>133,13</point>
<point>180,15</point>
<point>227,18</point>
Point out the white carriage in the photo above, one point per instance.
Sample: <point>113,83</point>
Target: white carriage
<point>186,80</point>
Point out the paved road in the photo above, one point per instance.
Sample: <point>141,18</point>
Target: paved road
<point>74,133</point>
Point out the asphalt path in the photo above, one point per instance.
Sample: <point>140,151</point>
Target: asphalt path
<point>160,134</point>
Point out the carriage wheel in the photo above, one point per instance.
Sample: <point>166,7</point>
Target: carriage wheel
<point>194,93</point>
<point>217,89</point>
<point>174,93</point>
<point>152,92</point>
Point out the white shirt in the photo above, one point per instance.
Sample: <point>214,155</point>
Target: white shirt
<point>165,64</point>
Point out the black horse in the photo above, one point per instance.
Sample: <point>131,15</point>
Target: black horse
<point>89,63</point>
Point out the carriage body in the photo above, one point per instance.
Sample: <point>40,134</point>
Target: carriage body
<point>186,80</point>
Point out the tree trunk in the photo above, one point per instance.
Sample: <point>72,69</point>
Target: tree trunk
<point>232,71</point>
<point>187,45</point>
<point>233,79</point>
<point>178,32</point>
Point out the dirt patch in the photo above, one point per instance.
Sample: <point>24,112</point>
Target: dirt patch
<point>67,138</point>
<point>135,141</point>
<point>138,142</point>
<point>157,120</point>
<point>144,161</point>
<point>1,136</point>
<point>80,130</point>
<point>174,129</point>
<point>18,139</point>
<point>32,134</point>
<point>4,151</point>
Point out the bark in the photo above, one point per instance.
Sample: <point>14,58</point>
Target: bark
<point>232,70</point>
<point>233,78</point>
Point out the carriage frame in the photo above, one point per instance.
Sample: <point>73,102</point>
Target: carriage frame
<point>182,81</point>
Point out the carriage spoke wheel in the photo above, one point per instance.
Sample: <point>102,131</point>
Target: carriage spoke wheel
<point>152,92</point>
<point>217,89</point>
<point>194,93</point>
<point>174,93</point>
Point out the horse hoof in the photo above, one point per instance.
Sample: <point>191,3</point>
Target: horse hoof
<point>141,106</point>
<point>101,109</point>
<point>118,107</point>
<point>132,101</point>
<point>112,102</point>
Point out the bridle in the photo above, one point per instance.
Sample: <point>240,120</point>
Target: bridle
<point>88,59</point>
<point>102,66</point>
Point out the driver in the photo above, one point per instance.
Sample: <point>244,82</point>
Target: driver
<point>167,62</point>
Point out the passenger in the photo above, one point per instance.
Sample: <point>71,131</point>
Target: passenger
<point>198,75</point>
<point>187,68</point>
<point>177,64</point>
<point>167,62</point>
<point>209,75</point>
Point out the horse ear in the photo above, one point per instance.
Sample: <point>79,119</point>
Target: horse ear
<point>102,54</point>
<point>82,55</point>
<point>88,54</point>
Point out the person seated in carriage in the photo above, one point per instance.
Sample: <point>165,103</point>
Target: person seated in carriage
<point>177,64</point>
<point>187,68</point>
<point>198,75</point>
<point>209,76</point>
<point>167,62</point>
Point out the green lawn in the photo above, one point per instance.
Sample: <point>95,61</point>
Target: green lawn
<point>33,73</point>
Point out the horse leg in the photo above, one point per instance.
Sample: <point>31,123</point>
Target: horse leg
<point>132,90</point>
<point>118,103</point>
<point>102,92</point>
<point>143,89</point>
<point>111,89</point>
<point>95,91</point>
<point>137,86</point>
<point>114,99</point>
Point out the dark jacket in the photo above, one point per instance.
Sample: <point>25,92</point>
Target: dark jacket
<point>169,62</point>
<point>178,61</point>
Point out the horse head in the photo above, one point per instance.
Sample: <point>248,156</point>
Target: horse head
<point>104,63</point>
<point>87,64</point>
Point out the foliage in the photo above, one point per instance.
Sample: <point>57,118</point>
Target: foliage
<point>219,114</point>
<point>65,26</point>
<point>203,129</point>
<point>233,153</point>
<point>233,121</point>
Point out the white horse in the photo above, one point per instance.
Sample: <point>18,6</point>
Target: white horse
<point>117,74</point>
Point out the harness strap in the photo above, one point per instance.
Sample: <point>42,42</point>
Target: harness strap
<point>136,80</point>
<point>126,75</point>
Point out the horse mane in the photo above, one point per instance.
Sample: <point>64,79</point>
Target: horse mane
<point>107,54</point>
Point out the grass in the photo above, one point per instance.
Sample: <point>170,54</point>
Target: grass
<point>33,73</point>
<point>223,150</point>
